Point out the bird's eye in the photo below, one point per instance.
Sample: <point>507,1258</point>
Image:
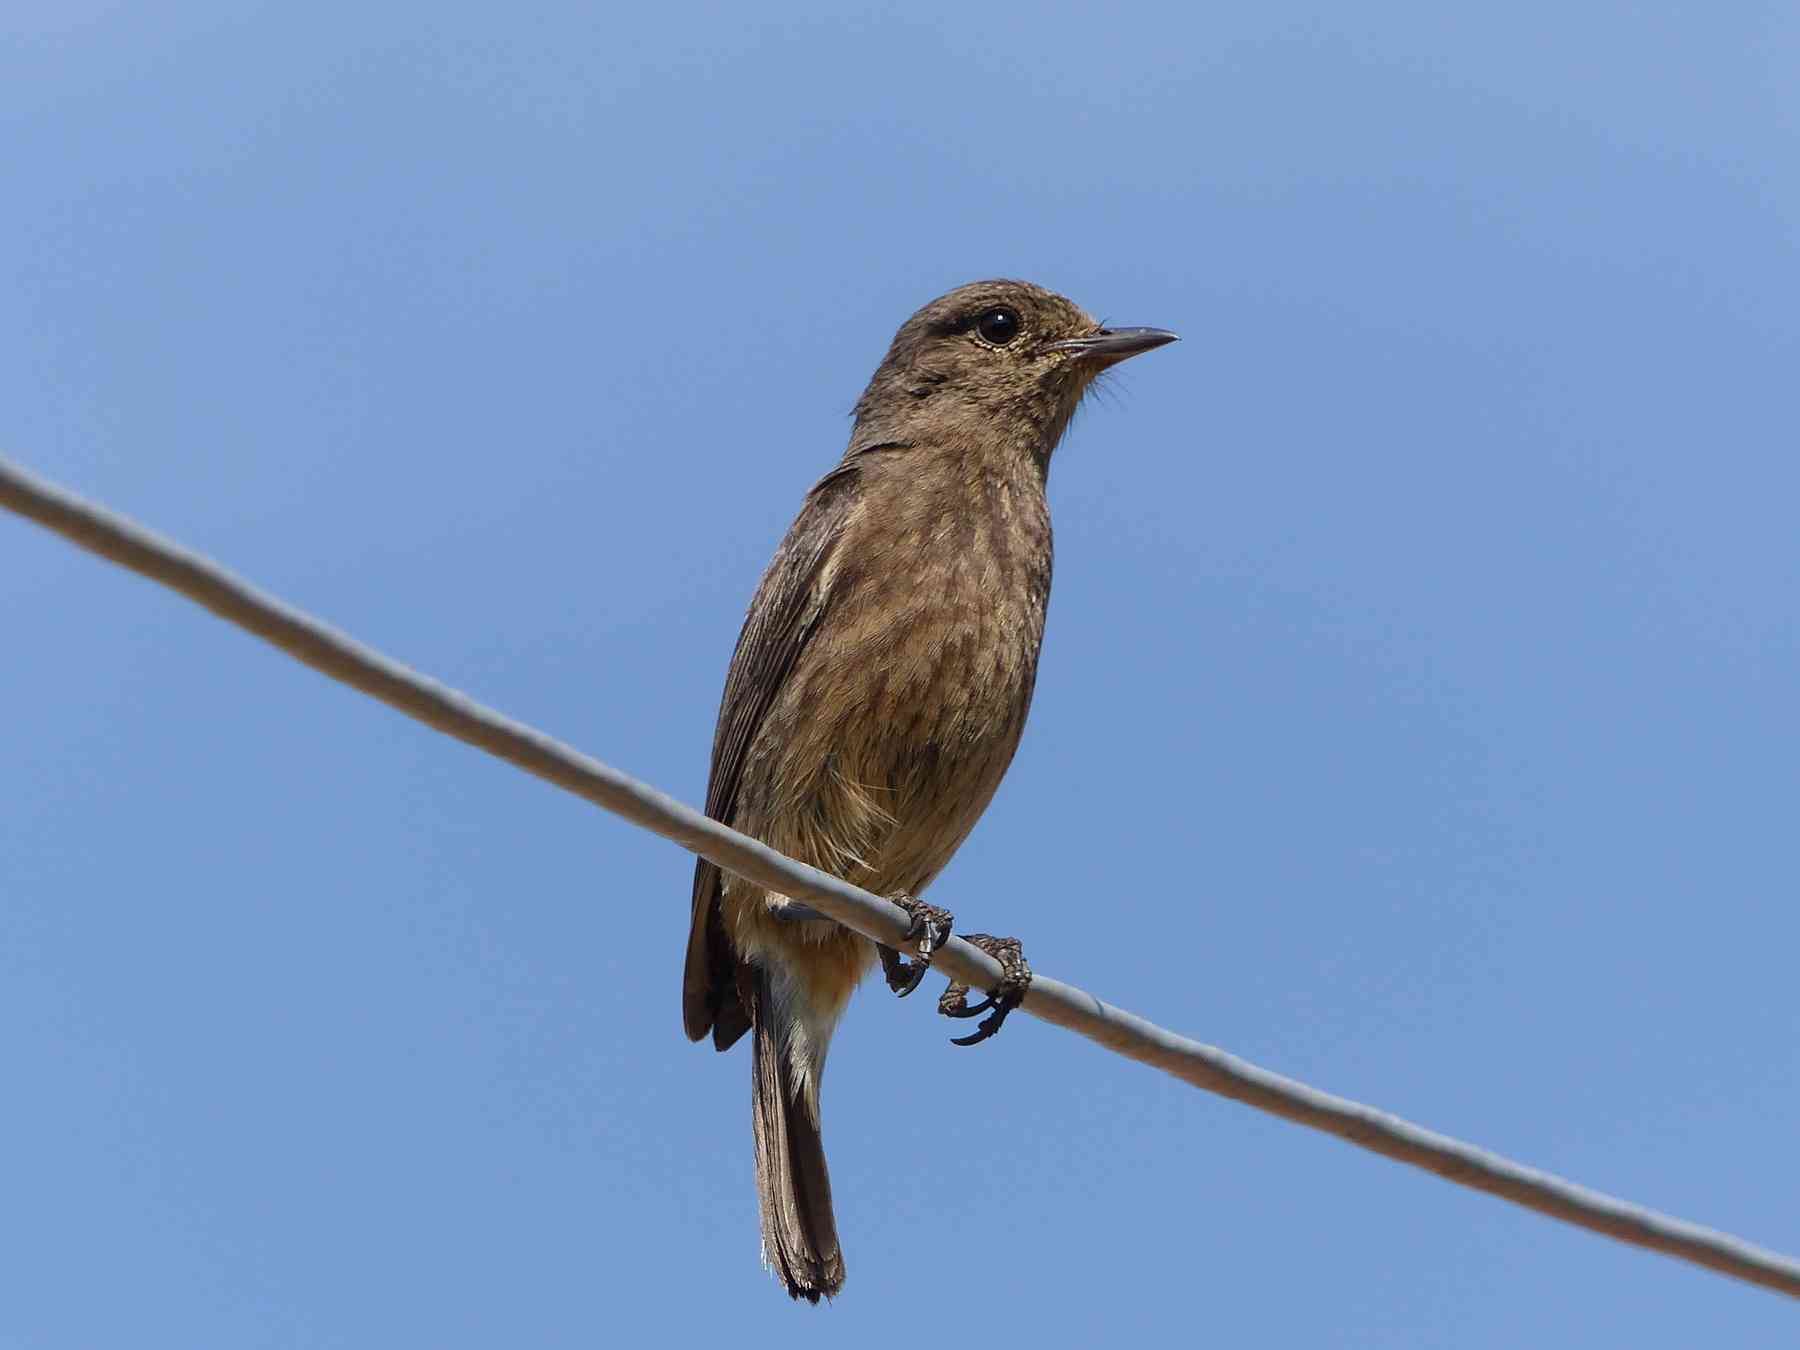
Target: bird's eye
<point>998,326</point>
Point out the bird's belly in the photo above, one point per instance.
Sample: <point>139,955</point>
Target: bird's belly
<point>897,782</point>
<point>926,721</point>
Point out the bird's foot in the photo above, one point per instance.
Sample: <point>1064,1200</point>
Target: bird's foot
<point>929,930</point>
<point>1015,979</point>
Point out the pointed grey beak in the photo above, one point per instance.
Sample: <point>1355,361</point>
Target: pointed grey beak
<point>1114,344</point>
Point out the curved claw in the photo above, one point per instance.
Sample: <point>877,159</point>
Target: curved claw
<point>928,931</point>
<point>1009,993</point>
<point>987,1028</point>
<point>909,975</point>
<point>959,1007</point>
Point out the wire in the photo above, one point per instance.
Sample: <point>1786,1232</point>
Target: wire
<point>326,649</point>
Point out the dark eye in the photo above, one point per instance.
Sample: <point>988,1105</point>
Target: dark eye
<point>998,326</point>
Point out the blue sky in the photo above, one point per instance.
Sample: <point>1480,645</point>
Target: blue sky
<point>1417,715</point>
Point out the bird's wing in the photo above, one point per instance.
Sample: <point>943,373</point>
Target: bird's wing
<point>786,612</point>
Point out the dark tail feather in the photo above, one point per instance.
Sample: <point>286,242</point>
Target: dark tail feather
<point>800,1239</point>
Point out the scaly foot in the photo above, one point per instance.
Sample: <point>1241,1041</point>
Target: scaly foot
<point>1015,979</point>
<point>930,929</point>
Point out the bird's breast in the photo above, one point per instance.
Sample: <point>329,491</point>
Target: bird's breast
<point>916,688</point>
<point>941,613</point>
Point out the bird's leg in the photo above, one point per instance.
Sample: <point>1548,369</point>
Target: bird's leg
<point>929,930</point>
<point>1015,979</point>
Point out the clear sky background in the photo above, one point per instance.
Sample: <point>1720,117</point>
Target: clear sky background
<point>1418,713</point>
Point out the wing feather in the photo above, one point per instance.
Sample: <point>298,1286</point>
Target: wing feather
<point>790,604</point>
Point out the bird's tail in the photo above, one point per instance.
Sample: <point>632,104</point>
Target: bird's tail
<point>799,1233</point>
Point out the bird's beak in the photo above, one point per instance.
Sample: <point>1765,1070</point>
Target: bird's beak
<point>1111,345</point>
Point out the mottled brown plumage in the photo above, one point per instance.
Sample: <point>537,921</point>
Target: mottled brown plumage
<point>878,691</point>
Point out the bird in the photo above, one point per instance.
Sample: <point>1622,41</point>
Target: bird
<point>877,693</point>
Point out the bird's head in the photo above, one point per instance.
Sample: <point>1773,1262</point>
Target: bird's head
<point>993,362</point>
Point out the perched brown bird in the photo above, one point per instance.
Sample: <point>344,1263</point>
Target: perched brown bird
<point>876,696</point>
